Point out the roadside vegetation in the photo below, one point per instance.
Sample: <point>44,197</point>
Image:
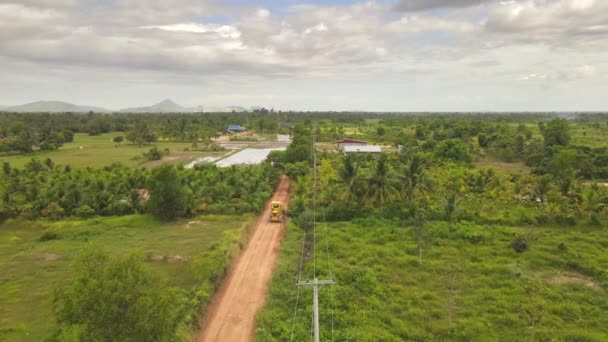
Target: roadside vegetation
<point>39,258</point>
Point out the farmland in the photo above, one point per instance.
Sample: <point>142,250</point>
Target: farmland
<point>98,151</point>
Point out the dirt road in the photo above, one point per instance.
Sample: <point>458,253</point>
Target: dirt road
<point>231,317</point>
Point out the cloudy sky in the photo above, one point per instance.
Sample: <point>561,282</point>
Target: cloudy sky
<point>400,55</point>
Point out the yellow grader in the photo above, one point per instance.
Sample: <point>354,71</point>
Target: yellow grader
<point>276,211</point>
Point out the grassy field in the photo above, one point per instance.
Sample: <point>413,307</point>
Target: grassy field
<point>469,287</point>
<point>100,150</point>
<point>30,268</point>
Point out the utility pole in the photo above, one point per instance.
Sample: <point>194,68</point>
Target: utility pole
<point>316,286</point>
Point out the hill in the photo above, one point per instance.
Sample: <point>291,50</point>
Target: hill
<point>166,106</point>
<point>53,107</point>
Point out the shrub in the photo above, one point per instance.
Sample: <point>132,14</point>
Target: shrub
<point>53,211</point>
<point>49,236</point>
<point>84,211</point>
<point>519,244</point>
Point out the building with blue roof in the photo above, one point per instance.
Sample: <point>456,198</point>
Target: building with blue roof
<point>236,128</point>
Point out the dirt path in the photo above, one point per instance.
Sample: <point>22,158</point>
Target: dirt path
<point>231,317</point>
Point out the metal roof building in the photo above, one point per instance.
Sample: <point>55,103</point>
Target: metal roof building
<point>236,128</point>
<point>362,149</point>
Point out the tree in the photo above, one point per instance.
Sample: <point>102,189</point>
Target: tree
<point>533,308</point>
<point>563,166</point>
<point>154,154</point>
<point>349,179</point>
<point>141,134</point>
<point>381,187</point>
<point>452,149</point>
<point>450,205</point>
<point>420,233</point>
<point>118,139</point>
<point>168,197</point>
<point>483,140</point>
<point>556,132</point>
<point>414,176</point>
<point>115,300</point>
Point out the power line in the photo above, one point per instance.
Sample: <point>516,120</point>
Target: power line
<point>295,311</point>
<point>316,284</point>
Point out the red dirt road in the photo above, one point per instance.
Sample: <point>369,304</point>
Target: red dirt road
<point>231,317</point>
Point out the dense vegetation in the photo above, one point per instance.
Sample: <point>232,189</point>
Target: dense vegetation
<point>24,133</point>
<point>42,189</point>
<point>467,226</point>
<point>186,259</point>
<point>486,228</point>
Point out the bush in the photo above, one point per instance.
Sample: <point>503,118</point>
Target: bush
<point>84,211</point>
<point>146,309</point>
<point>53,211</point>
<point>49,236</point>
<point>519,244</point>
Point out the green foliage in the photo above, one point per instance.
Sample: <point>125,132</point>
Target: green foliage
<point>49,236</point>
<point>519,244</point>
<point>464,290</point>
<point>55,192</point>
<point>454,150</point>
<point>556,132</point>
<point>115,299</point>
<point>155,154</point>
<point>168,198</point>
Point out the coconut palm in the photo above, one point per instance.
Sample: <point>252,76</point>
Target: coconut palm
<point>382,187</point>
<point>414,177</point>
<point>350,180</point>
<point>450,205</point>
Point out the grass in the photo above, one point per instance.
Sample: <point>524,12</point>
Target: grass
<point>502,167</point>
<point>30,268</point>
<point>463,291</point>
<point>96,151</point>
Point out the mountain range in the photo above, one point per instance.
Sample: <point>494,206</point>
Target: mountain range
<point>166,106</point>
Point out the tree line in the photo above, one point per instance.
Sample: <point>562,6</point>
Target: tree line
<point>44,190</point>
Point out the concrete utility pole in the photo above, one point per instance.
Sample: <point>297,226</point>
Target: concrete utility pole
<point>316,286</point>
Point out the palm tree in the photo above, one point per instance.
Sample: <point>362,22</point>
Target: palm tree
<point>349,178</point>
<point>382,187</point>
<point>450,205</point>
<point>542,187</point>
<point>414,177</point>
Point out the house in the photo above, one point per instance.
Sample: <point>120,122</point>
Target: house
<point>236,128</point>
<point>144,194</point>
<point>349,142</point>
<point>343,142</point>
<point>362,149</point>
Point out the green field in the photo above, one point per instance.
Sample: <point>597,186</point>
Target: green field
<point>97,151</point>
<point>30,268</point>
<point>471,286</point>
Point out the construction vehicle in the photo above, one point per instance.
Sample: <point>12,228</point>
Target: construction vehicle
<point>276,211</point>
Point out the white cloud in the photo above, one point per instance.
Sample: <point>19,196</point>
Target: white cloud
<point>471,45</point>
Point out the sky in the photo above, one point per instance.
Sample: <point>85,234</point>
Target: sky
<point>400,55</point>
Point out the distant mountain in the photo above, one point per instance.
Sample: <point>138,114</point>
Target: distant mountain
<point>53,107</point>
<point>166,106</point>
<point>228,109</point>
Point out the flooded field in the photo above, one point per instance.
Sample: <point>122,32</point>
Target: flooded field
<point>248,156</point>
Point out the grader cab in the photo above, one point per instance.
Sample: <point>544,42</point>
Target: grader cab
<point>276,211</point>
